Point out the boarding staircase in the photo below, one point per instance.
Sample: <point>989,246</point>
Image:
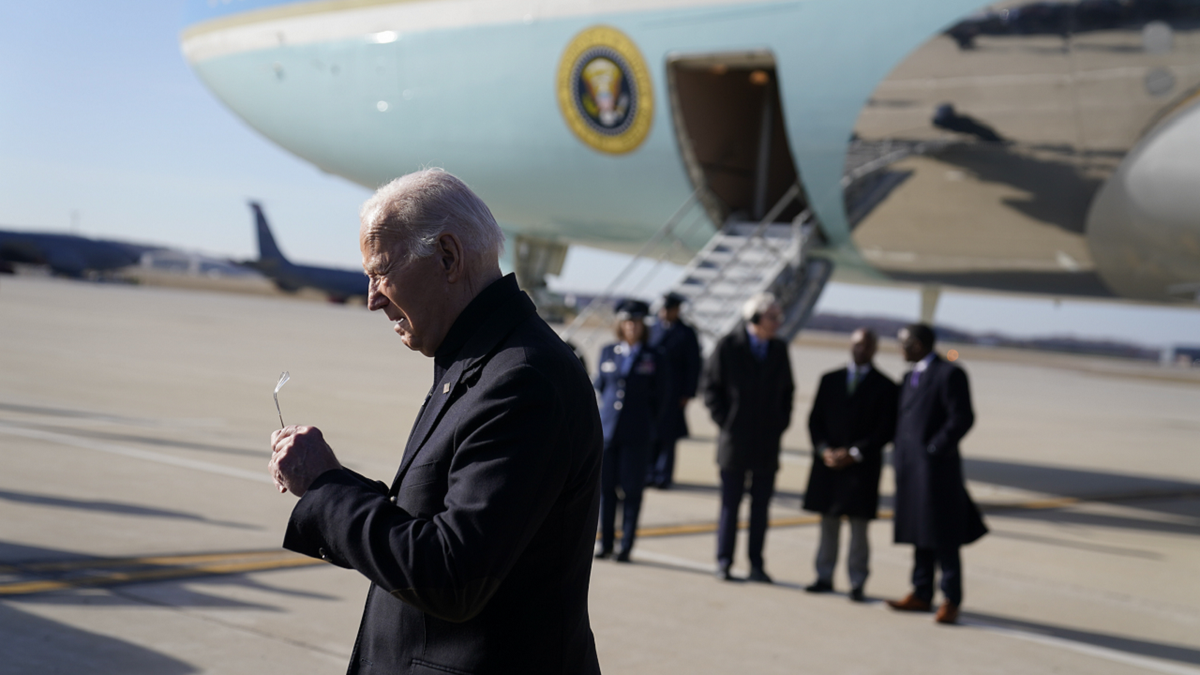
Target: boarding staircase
<point>741,260</point>
<point>746,258</point>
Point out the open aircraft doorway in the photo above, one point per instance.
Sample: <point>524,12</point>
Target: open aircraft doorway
<point>731,133</point>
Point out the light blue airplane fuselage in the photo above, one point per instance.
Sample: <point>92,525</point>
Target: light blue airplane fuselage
<point>373,89</point>
<point>494,85</point>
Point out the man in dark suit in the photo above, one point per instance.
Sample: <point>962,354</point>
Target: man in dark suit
<point>681,350</point>
<point>748,391</point>
<point>933,510</point>
<point>479,552</point>
<point>852,419</point>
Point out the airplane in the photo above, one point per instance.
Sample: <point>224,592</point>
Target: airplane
<point>592,123</point>
<point>340,285</point>
<point>67,255</point>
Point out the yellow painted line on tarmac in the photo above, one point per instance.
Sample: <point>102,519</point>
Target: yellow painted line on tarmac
<point>101,572</point>
<point>114,572</point>
<point>887,514</point>
<point>108,563</point>
<point>705,528</point>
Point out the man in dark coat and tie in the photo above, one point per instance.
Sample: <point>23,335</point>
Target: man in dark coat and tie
<point>480,550</point>
<point>852,419</point>
<point>748,391</point>
<point>933,510</point>
<point>681,351</point>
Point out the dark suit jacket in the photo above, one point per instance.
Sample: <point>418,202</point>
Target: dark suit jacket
<point>932,505</point>
<point>630,402</point>
<point>480,552</point>
<point>681,350</point>
<point>750,400</point>
<point>865,419</point>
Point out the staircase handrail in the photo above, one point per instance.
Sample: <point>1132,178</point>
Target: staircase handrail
<point>767,221</point>
<point>609,291</point>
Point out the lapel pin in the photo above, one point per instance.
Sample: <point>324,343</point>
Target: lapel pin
<point>446,388</point>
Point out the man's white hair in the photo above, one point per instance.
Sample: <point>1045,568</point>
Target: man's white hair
<point>758,304</point>
<point>413,210</point>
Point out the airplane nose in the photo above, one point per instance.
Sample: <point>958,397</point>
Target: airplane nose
<point>1142,227</point>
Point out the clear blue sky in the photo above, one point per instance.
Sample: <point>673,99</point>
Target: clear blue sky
<point>100,114</point>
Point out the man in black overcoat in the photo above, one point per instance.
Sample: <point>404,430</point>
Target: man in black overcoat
<point>933,510</point>
<point>748,391</point>
<point>480,550</point>
<point>681,350</point>
<point>852,419</point>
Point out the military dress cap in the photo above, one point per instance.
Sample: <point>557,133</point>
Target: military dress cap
<point>632,309</point>
<point>672,300</point>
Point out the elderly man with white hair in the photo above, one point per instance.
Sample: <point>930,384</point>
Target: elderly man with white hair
<point>479,551</point>
<point>748,391</point>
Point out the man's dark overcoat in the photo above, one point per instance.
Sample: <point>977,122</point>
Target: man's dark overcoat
<point>480,552</point>
<point>750,400</point>
<point>932,505</point>
<point>866,420</point>
<point>681,350</point>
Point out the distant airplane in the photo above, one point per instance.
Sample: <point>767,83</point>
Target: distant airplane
<point>339,284</point>
<point>67,254</point>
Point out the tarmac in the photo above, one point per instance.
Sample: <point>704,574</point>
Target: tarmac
<point>139,532</point>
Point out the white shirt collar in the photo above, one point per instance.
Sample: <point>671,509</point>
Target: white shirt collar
<point>921,365</point>
<point>859,370</point>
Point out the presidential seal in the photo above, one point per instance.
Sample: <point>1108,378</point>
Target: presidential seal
<point>604,90</point>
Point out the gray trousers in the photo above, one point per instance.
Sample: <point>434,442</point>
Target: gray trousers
<point>860,549</point>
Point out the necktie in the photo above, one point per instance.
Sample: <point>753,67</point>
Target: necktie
<point>914,378</point>
<point>855,376</point>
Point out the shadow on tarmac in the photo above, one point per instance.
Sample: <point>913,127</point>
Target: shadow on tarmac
<point>16,558</point>
<point>116,508</point>
<point>144,440</point>
<point>1077,545</point>
<point>1177,499</point>
<point>1156,650</point>
<point>1069,482</point>
<point>781,497</point>
<point>1072,517</point>
<point>37,645</point>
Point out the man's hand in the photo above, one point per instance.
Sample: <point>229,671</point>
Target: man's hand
<point>829,457</point>
<point>298,456</point>
<point>837,458</point>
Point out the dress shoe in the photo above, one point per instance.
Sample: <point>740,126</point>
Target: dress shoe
<point>910,603</point>
<point>947,613</point>
<point>623,557</point>
<point>601,553</point>
<point>819,586</point>
<point>759,575</point>
<point>724,574</point>
<point>857,595</point>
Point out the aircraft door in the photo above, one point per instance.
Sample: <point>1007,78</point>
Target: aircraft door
<point>730,127</point>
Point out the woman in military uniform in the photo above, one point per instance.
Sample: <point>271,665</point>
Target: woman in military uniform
<point>630,386</point>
